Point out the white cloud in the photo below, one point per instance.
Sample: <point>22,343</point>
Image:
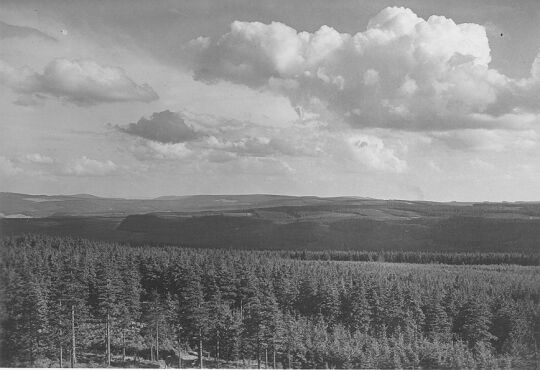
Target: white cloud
<point>402,72</point>
<point>8,168</point>
<point>89,167</point>
<point>171,136</point>
<point>37,158</point>
<point>81,82</point>
<point>487,140</point>
<point>372,153</point>
<point>156,150</point>
<point>249,145</point>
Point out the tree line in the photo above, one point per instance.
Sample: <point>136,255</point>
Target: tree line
<point>86,301</point>
<point>450,258</point>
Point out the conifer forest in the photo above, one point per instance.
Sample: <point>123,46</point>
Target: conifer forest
<point>74,302</point>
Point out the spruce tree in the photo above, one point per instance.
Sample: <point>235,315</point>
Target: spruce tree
<point>474,322</point>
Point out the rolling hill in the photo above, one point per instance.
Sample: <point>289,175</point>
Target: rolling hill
<point>279,222</point>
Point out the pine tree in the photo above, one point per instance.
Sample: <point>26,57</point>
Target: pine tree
<point>437,325</point>
<point>307,297</point>
<point>218,314</point>
<point>109,298</point>
<point>129,305</point>
<point>359,319</point>
<point>474,322</point>
<point>328,301</point>
<point>193,311</point>
<point>509,327</point>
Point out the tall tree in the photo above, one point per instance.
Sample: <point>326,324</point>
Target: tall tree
<point>474,322</point>
<point>193,311</point>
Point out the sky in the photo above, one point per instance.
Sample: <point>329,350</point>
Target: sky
<point>420,100</point>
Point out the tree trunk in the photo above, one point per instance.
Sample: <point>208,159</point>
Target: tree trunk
<point>200,349</point>
<point>258,354</point>
<point>73,355</point>
<point>179,355</point>
<point>274,358</point>
<point>32,353</point>
<point>61,337</point>
<point>217,352</point>
<point>265,357</point>
<point>157,341</point>
<point>123,346</point>
<point>108,339</point>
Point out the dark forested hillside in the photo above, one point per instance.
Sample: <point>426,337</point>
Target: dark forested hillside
<point>235,308</point>
<point>281,222</point>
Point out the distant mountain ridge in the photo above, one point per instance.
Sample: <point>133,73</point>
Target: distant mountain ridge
<point>90,205</point>
<point>86,204</point>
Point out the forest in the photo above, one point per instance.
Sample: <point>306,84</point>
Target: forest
<point>74,302</point>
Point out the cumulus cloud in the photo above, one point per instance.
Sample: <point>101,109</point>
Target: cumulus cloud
<point>402,72</point>
<point>163,127</point>
<point>175,136</point>
<point>89,167</point>
<point>81,82</point>
<point>372,153</point>
<point>168,136</point>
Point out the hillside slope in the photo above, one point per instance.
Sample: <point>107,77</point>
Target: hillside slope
<point>280,222</point>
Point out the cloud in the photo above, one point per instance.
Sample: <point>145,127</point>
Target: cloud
<point>177,135</point>
<point>264,146</point>
<point>13,31</point>
<point>487,140</point>
<point>89,167</point>
<point>371,152</point>
<point>402,72</point>
<point>147,150</point>
<point>8,168</point>
<point>170,137</point>
<point>37,158</point>
<point>81,82</point>
<point>163,127</point>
